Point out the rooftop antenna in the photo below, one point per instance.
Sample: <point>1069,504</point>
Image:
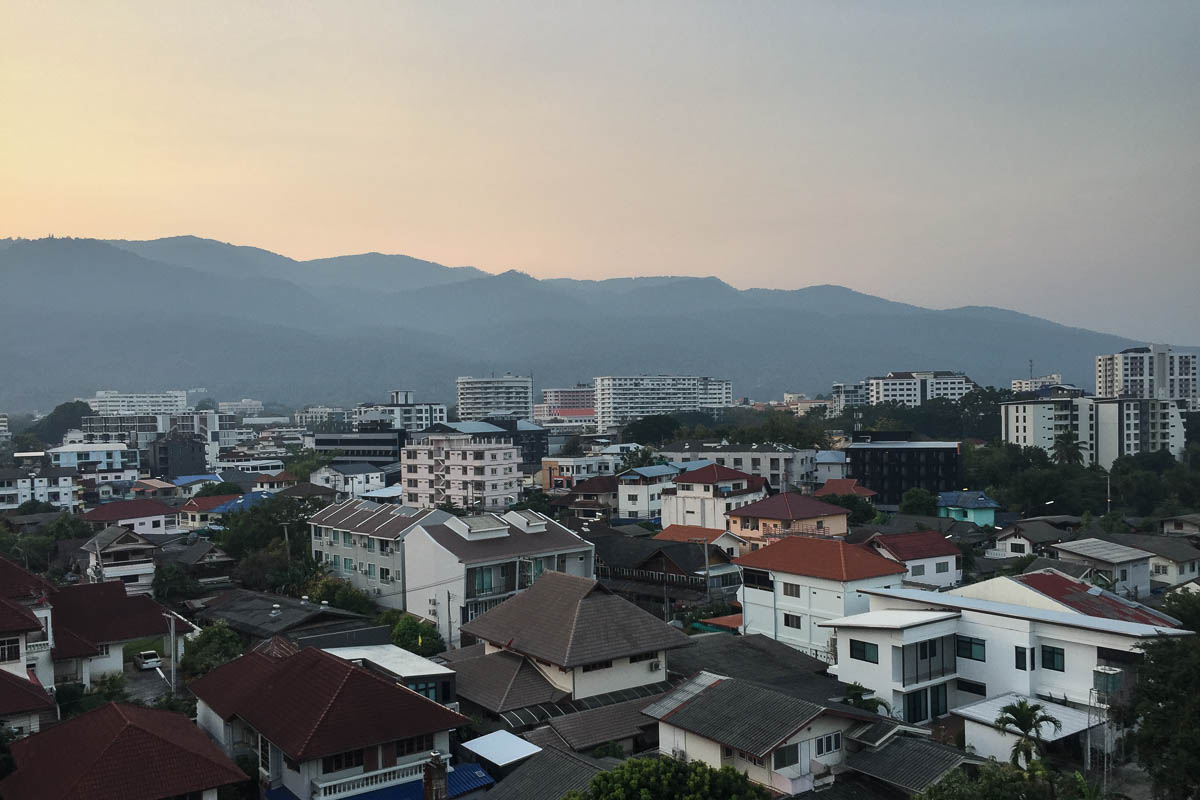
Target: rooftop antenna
<point>1031,369</point>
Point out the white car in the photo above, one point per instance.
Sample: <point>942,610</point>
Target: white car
<point>147,659</point>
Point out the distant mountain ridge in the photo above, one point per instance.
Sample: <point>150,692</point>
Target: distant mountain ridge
<point>82,314</point>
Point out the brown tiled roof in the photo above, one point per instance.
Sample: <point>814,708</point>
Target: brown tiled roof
<point>127,509</point>
<point>601,484</point>
<point>314,704</point>
<point>118,752</point>
<point>68,645</point>
<point>503,681</point>
<point>18,694</point>
<point>584,730</point>
<point>16,618</point>
<point>101,613</point>
<point>789,506</point>
<point>831,559</point>
<point>915,545</point>
<point>843,486</point>
<point>578,622</point>
<point>712,473</point>
<point>731,621</point>
<point>686,533</point>
<point>18,583</point>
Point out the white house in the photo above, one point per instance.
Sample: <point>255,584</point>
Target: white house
<point>349,480</point>
<point>119,554</point>
<point>1125,570</point>
<point>1183,525</point>
<point>702,497</point>
<point>1173,559</point>
<point>830,465</point>
<point>640,492</point>
<point>792,586</point>
<point>784,467</point>
<point>930,558</point>
<point>139,516</point>
<point>58,486</point>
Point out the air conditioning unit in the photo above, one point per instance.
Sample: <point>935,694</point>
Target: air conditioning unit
<point>678,754</point>
<point>655,666</point>
<point>433,602</point>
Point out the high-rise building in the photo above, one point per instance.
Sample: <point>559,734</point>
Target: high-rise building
<point>847,395</point>
<point>469,470</point>
<point>487,397</point>
<point>108,402</point>
<point>624,398</point>
<point>582,395</point>
<point>242,408</point>
<point>402,413</point>
<point>1033,384</point>
<point>5,434</point>
<point>1153,372</point>
<point>912,388</point>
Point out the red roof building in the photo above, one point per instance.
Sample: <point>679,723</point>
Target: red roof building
<point>118,752</point>
<point>844,486</point>
<point>137,515</point>
<point>1087,599</point>
<point>817,557</point>
<point>785,514</point>
<point>930,558</point>
<point>25,706</point>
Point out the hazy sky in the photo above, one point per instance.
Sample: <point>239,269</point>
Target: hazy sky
<point>1043,156</point>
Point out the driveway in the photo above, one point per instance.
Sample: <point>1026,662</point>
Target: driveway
<point>145,685</point>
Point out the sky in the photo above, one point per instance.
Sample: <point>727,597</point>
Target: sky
<point>1038,156</point>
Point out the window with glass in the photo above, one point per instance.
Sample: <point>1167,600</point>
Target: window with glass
<point>972,687</point>
<point>1020,658</point>
<point>597,665</point>
<point>864,651</point>
<point>791,589</point>
<point>340,761</point>
<point>792,621</point>
<point>347,539</point>
<point>942,566</point>
<point>972,648</point>
<point>1053,658</point>
<point>916,705</point>
<point>757,578</point>
<point>264,754</point>
<point>347,565</point>
<point>414,745</point>
<point>918,570</point>
<point>10,649</point>
<point>829,743</point>
<point>786,756</point>
<point>426,688</point>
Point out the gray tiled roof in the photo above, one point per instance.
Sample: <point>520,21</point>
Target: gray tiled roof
<point>587,729</point>
<point>555,538</point>
<point>1174,548</point>
<point>547,775</point>
<point>1073,568</point>
<point>908,762</point>
<point>761,659</point>
<point>578,622</point>
<point>383,520</point>
<point>503,681</point>
<point>1037,531</point>
<point>107,536</point>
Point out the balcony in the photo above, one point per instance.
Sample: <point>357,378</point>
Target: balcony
<point>379,779</point>
<point>33,648</point>
<point>119,569</point>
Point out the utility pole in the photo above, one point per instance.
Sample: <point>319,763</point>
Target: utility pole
<point>449,621</point>
<point>174,649</point>
<point>707,586</point>
<point>287,543</point>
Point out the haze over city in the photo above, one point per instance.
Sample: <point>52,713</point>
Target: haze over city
<point>1039,157</point>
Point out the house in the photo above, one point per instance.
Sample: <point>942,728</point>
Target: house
<point>309,492</point>
<point>1027,537</point>
<point>320,726</point>
<point>550,774</point>
<point>58,486</point>
<point>422,675</point>
<point>139,516</point>
<point>274,483</point>
<point>703,497</point>
<point>118,752</point>
<point>931,559</point>
<point>892,467</point>
<point>349,480</point>
<point>189,485</point>
<point>844,487</point>
<point>1053,590</point>
<point>976,507</point>
<point>1124,570</point>
<point>217,514</point>
<point>761,659</point>
<point>118,554</point>
<point>588,644</point>
<point>259,616</point>
<point>783,467</point>
<point>830,465</point>
<point>792,586</point>
<point>641,488</point>
<point>194,514</point>
<point>201,558</point>
<point>787,514</point>
<point>928,653</point>
<point>98,458</point>
<point>24,703</point>
<point>594,498</point>
<point>1182,525</point>
<point>457,569</point>
<point>730,543</point>
<point>1173,559</point>
<point>565,472</point>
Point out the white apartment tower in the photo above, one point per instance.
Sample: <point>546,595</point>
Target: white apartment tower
<point>623,398</point>
<point>1153,372</point>
<point>472,471</point>
<point>1033,384</point>
<point>913,388</point>
<point>108,402</point>
<point>485,397</point>
<point>402,413</point>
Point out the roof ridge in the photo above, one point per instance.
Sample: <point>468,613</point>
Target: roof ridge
<point>574,623</point>
<point>332,697</point>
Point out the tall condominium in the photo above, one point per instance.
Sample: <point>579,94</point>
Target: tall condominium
<point>5,434</point>
<point>847,395</point>
<point>402,413</point>
<point>1153,372</point>
<point>321,415</point>
<point>1106,428</point>
<point>1040,382</point>
<point>622,398</point>
<point>582,395</point>
<point>465,469</point>
<point>913,388</point>
<point>112,402</point>
<point>489,397</point>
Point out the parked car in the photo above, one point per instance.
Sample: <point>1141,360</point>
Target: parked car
<point>147,659</point>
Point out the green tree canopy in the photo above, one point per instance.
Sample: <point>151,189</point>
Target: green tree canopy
<point>414,635</point>
<point>303,463</point>
<point>668,779</point>
<point>51,428</point>
<point>861,510</point>
<point>220,489</point>
<point>1027,718</point>
<point>214,646</point>
<point>36,507</point>
<point>918,501</point>
<point>172,584</point>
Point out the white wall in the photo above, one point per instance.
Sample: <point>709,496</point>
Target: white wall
<point>621,675</point>
<point>429,572</point>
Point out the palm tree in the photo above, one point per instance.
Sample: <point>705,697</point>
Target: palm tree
<point>1067,449</point>
<point>856,696</point>
<point>1028,718</point>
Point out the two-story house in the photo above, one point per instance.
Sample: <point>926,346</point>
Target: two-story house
<point>24,703</point>
<point>139,516</point>
<point>194,514</point>
<point>1173,559</point>
<point>787,514</point>
<point>592,499</point>
<point>703,497</point>
<point>118,554</point>
<point>930,558</point>
<point>349,480</point>
<point>974,507</point>
<point>640,490</point>
<point>791,587</point>
<point>1027,537</point>
<point>1125,570</point>
<point>319,726</point>
<point>457,569</point>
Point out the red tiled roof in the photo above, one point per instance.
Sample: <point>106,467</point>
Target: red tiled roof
<point>101,613</point>
<point>17,583</point>
<point>918,544</point>
<point>789,506</point>
<point>208,503</point>
<point>314,704</point>
<point>843,486</point>
<point>602,484</point>
<point>731,621</point>
<point>68,645</point>
<point>1079,596</point>
<point>20,695</point>
<point>118,752</point>
<point>712,473</point>
<point>831,559</point>
<point>127,509</point>
<point>685,533</point>
<point>16,618</point>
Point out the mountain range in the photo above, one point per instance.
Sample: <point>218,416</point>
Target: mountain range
<point>78,315</point>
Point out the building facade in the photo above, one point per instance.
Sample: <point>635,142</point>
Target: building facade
<point>847,395</point>
<point>57,486</point>
<point>1153,372</point>
<point>702,497</point>
<point>403,412</point>
<point>114,402</point>
<point>486,397</point>
<point>624,398</point>
<point>891,468</point>
<point>312,416</point>
<point>912,388</point>
<point>1034,384</point>
<point>241,408</point>
<point>581,395</point>
<point>472,471</point>
<point>784,467</point>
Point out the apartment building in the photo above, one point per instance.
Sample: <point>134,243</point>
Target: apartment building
<point>582,395</point>
<point>113,402</point>
<point>782,466</point>
<point>1153,372</point>
<point>624,398</point>
<point>5,433</point>
<point>912,388</point>
<point>98,458</point>
<point>1034,384</point>
<point>378,448</point>
<point>702,497</point>
<point>469,470</point>
<point>402,412</point>
<point>488,397</point>
<point>890,468</point>
<point>311,416</point>
<point>58,486</point>
<point>846,395</point>
<point>1106,428</point>
<point>241,408</point>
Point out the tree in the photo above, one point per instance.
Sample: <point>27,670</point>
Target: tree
<point>1067,449</point>
<point>861,510</point>
<point>856,696</point>
<point>668,779</point>
<point>303,463</point>
<point>341,594</point>
<point>263,523</point>
<point>993,781</point>
<point>1156,714</point>
<point>214,646</point>
<point>36,507</point>
<point>572,447</point>
<point>918,501</point>
<point>651,430</point>
<point>1028,718</point>
<point>413,634</point>
<point>172,583</point>
<point>1185,607</point>
<point>642,457</point>
<point>52,427</point>
<point>536,500</point>
<point>220,489</point>
<point>207,404</point>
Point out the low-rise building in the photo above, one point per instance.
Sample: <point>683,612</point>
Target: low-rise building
<point>593,499</point>
<point>349,480</point>
<point>118,554</point>
<point>102,458</point>
<point>424,676</point>
<point>58,486</point>
<point>1053,589</point>
<point>704,497</point>
<point>974,507</point>
<point>829,465</point>
<point>194,514</point>
<point>729,543</point>
<point>892,467</point>
<point>913,388</point>
<point>1027,537</point>
<point>402,412</point>
<point>1182,525</point>
<point>930,558</point>
<point>641,490</point>
<point>1125,570</point>
<point>139,516</point>
<point>563,472</point>
<point>782,466</point>
<point>787,514</point>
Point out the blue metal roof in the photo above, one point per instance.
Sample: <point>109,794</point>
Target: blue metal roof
<point>965,500</point>
<point>184,480</point>
<point>465,778</point>
<point>474,426</point>
<point>831,457</point>
<point>248,500</point>
<point>652,471</point>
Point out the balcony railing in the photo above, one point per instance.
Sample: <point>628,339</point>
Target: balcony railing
<point>392,776</point>
<point>32,648</point>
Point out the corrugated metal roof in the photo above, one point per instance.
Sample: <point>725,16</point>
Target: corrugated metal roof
<point>910,763</point>
<point>1100,550</point>
<point>986,711</point>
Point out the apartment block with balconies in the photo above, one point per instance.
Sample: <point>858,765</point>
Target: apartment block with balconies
<point>58,486</point>
<point>455,464</point>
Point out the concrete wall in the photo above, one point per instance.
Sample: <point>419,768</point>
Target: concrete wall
<point>621,675</point>
<point>430,572</point>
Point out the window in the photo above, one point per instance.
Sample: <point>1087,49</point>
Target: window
<point>347,565</point>
<point>1124,574</point>
<point>974,649</point>
<point>786,756</point>
<point>643,657</point>
<point>942,566</point>
<point>385,574</point>
<point>918,570</point>
<point>596,666</point>
<point>370,545</point>
<point>971,687</point>
<point>1016,547</point>
<point>938,705</point>
<point>757,578</point>
<point>792,620</point>
<point>916,706</point>
<point>371,571</point>
<point>264,754</point>
<point>1053,658</point>
<point>829,743</point>
<point>10,650</point>
<point>1020,658</point>
<point>631,498</point>
<point>341,761</point>
<point>864,651</point>
<point>791,590</point>
<point>428,689</point>
<point>347,540</point>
